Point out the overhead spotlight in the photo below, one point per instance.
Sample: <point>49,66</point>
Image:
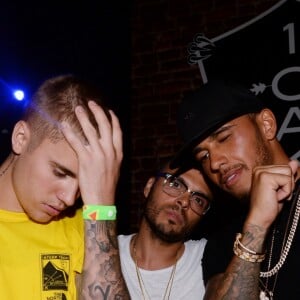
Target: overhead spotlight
<point>19,95</point>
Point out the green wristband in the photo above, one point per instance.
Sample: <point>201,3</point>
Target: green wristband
<point>99,212</point>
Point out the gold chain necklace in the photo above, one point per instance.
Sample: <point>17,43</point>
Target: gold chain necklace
<point>267,294</point>
<point>141,281</point>
<point>288,244</point>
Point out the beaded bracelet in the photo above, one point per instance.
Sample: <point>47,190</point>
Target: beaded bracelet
<point>99,212</point>
<point>246,254</point>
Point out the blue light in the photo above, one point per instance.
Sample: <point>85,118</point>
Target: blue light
<point>19,95</point>
<point>13,93</point>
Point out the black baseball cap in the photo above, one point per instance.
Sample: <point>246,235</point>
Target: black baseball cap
<point>203,111</point>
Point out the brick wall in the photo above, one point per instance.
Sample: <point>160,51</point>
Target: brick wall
<point>161,31</point>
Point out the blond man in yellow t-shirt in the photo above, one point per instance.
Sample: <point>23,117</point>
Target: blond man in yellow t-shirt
<point>65,146</point>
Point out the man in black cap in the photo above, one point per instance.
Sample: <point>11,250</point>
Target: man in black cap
<point>232,134</point>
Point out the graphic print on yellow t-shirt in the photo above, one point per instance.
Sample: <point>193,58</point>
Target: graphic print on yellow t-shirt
<point>55,275</point>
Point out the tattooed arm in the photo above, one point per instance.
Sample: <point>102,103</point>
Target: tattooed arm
<point>241,278</point>
<point>102,257</point>
<point>99,160</point>
<point>271,186</point>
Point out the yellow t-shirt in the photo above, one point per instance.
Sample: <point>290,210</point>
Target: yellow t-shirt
<point>39,261</point>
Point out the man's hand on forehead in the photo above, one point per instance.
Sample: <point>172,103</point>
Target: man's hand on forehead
<point>99,160</point>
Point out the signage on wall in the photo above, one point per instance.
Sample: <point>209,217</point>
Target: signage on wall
<point>264,54</point>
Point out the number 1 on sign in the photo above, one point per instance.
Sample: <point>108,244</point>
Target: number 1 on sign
<point>291,31</point>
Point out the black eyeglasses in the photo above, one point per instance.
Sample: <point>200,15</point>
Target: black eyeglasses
<point>175,187</point>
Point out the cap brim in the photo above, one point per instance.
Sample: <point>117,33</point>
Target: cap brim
<point>180,160</point>
<point>205,110</point>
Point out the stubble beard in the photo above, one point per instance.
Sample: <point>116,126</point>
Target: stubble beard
<point>160,230</point>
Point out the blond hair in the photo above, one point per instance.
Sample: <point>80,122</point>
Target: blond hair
<point>54,102</point>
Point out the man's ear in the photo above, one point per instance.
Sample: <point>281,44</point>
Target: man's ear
<point>268,123</point>
<point>148,186</point>
<point>20,137</point>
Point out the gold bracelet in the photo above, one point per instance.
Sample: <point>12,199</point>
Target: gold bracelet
<point>246,254</point>
<point>238,238</point>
